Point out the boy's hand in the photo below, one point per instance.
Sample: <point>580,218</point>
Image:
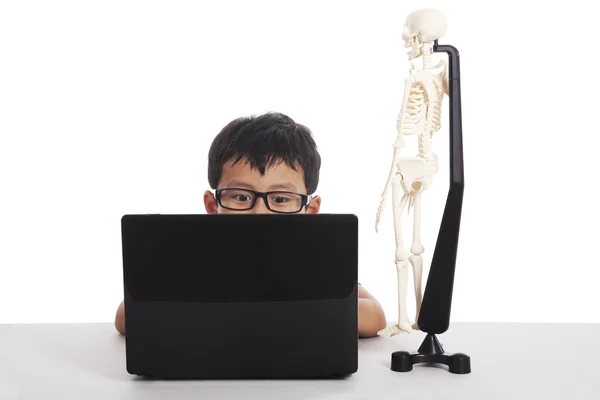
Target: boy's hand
<point>120,318</point>
<point>371,318</point>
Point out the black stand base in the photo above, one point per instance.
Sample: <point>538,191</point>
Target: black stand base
<point>431,351</point>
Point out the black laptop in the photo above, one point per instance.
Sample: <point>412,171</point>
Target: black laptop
<point>241,296</point>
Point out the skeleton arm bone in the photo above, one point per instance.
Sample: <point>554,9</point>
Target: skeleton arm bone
<point>397,146</point>
<point>402,115</point>
<point>393,171</point>
<point>445,84</point>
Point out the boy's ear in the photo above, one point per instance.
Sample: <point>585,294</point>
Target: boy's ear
<point>315,205</point>
<point>210,203</point>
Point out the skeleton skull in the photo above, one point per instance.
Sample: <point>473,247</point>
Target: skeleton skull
<point>424,25</point>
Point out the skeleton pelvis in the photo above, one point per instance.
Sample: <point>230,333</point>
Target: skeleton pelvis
<point>417,173</point>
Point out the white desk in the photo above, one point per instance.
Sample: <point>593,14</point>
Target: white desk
<point>508,361</point>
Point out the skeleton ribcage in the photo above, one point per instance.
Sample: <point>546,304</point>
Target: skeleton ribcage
<point>435,108</point>
<point>415,110</point>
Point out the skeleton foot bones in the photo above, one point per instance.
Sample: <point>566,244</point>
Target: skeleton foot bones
<point>409,177</point>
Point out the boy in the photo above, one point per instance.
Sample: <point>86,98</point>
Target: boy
<point>270,153</point>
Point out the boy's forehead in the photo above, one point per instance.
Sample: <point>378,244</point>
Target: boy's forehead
<point>279,176</point>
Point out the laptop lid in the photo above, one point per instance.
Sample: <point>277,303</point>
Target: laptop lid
<point>241,296</point>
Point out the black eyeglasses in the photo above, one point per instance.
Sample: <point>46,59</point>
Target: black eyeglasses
<point>245,199</point>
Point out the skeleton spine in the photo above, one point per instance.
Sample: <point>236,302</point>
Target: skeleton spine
<point>427,59</point>
<point>425,145</point>
<point>433,111</point>
<point>427,55</point>
<point>436,114</point>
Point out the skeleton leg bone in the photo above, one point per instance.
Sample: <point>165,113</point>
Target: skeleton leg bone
<point>402,261</point>
<point>416,260</point>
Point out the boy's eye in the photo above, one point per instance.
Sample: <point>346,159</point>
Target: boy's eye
<point>242,197</point>
<point>280,199</point>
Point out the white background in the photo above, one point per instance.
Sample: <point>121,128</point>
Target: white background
<point>109,107</point>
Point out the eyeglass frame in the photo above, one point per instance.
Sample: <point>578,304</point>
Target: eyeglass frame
<point>306,199</point>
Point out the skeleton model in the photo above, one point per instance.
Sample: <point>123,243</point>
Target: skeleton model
<point>409,177</point>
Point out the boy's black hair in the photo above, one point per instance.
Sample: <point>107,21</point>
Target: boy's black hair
<point>264,141</point>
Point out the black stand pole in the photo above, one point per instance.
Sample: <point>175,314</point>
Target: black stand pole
<point>434,315</point>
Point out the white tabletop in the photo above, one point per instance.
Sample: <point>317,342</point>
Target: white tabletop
<point>508,361</point>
